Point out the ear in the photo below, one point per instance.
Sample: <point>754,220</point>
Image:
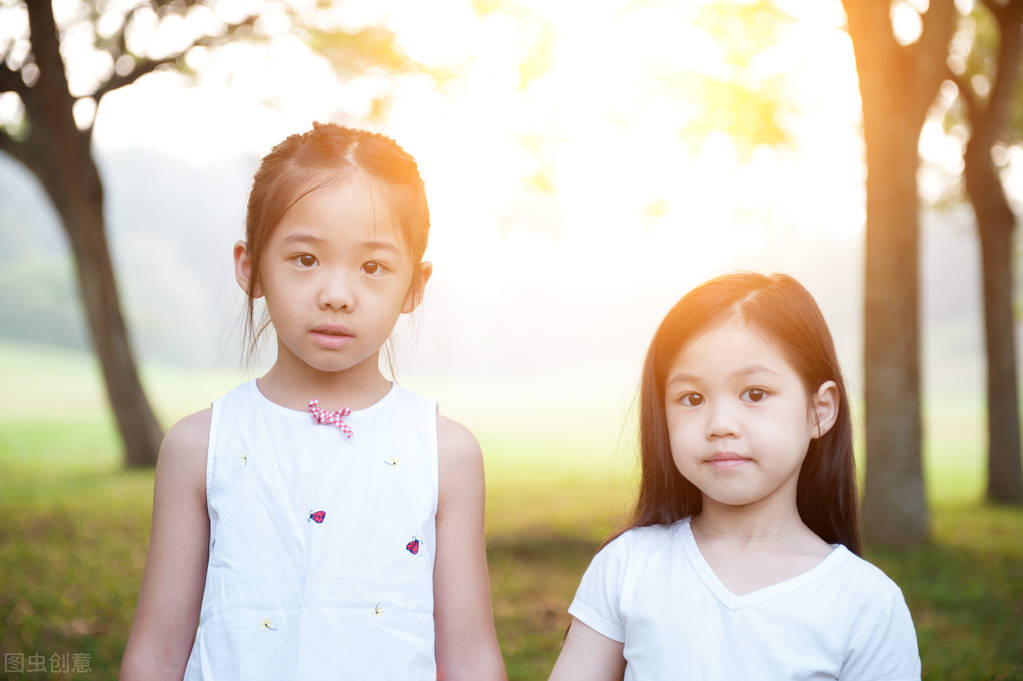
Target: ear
<point>243,269</point>
<point>415,290</point>
<point>824,410</point>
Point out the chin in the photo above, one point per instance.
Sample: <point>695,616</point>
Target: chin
<point>331,367</point>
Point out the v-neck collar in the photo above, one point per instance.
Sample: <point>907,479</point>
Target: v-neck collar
<point>838,555</point>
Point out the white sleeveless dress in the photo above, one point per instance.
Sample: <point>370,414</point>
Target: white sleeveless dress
<point>321,546</point>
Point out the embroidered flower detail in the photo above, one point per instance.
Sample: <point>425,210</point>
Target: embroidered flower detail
<point>245,458</point>
<point>377,612</point>
<point>267,624</point>
<point>391,462</point>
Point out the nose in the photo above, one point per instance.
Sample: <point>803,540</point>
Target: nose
<point>337,291</point>
<point>722,420</point>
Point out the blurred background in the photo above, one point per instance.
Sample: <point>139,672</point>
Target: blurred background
<point>585,165</point>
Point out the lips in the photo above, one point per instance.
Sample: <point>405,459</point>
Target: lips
<point>331,336</point>
<point>727,460</point>
<point>333,330</point>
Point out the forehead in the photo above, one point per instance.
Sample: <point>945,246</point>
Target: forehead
<point>728,345</point>
<point>354,207</point>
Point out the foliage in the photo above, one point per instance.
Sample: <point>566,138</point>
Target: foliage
<point>732,87</point>
<point>57,62</point>
<point>979,37</point>
<point>115,43</point>
<point>742,100</point>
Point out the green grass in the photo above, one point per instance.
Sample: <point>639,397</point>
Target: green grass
<point>74,527</point>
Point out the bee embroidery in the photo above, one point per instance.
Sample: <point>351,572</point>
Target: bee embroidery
<point>413,546</point>
<point>267,624</point>
<point>317,516</point>
<point>391,462</point>
<point>377,612</point>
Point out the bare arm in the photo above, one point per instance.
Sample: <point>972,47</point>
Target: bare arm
<point>466,643</point>
<point>172,584</point>
<point>588,656</point>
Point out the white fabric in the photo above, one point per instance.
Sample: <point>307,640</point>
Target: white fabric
<point>651,589</point>
<point>289,598</point>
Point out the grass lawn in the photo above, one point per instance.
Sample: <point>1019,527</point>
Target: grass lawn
<point>74,528</point>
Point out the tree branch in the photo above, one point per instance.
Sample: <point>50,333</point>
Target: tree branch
<point>929,53</point>
<point>19,150</point>
<point>868,22</point>
<point>144,66</point>
<point>975,112</point>
<point>878,56</point>
<point>1010,23</point>
<point>10,80</point>
<point>998,11</point>
<point>116,45</point>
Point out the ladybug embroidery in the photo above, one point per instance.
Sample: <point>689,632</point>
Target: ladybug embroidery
<point>317,516</point>
<point>413,546</point>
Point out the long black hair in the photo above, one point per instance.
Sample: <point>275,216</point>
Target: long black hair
<point>778,306</point>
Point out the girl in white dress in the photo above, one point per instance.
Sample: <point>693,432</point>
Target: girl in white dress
<point>321,522</point>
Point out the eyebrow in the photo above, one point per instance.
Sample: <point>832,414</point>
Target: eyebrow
<point>302,238</point>
<point>310,238</point>
<point>745,371</point>
<point>382,246</point>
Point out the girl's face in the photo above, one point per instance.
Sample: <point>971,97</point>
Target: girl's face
<point>739,417</point>
<point>336,275</point>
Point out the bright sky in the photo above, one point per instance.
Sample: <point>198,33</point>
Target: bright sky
<point>625,205</point>
<point>601,126</point>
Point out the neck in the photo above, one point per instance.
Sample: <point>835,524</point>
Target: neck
<point>292,383</point>
<point>763,522</point>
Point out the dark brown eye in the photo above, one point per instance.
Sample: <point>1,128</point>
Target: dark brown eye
<point>754,394</point>
<point>692,399</point>
<point>372,267</point>
<point>306,260</point>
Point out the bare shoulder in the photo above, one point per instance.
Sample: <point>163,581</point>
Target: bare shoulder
<point>184,448</point>
<point>190,436</point>
<point>460,463</point>
<point>456,443</point>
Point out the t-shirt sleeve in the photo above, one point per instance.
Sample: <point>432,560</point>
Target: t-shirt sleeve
<point>598,598</point>
<point>887,651</point>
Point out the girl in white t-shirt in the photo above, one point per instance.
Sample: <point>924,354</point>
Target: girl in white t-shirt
<point>741,560</point>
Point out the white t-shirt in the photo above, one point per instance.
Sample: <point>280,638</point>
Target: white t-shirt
<point>652,590</point>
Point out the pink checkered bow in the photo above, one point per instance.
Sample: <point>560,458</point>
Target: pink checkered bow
<point>330,418</point>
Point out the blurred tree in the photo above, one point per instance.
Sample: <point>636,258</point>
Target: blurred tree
<point>53,138</point>
<point>991,103</point>
<point>742,99</point>
<point>898,83</point>
<point>731,89</point>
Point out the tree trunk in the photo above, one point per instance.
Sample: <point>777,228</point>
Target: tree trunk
<point>894,500</point>
<point>60,156</point>
<point>995,224</point>
<point>897,85</point>
<point>81,211</point>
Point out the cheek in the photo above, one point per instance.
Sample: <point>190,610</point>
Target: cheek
<point>683,436</point>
